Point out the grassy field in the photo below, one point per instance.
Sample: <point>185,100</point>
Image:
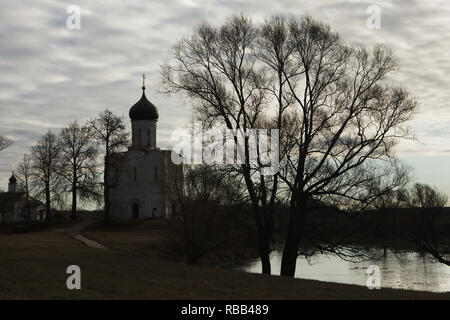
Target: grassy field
<point>33,266</point>
<point>161,239</point>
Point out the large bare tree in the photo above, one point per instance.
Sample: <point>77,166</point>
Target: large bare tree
<point>77,167</point>
<point>217,68</point>
<point>46,156</point>
<point>339,118</point>
<point>110,132</point>
<point>346,121</point>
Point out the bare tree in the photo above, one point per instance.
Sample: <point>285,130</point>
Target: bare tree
<point>217,68</point>
<point>337,115</point>
<point>109,130</point>
<point>429,230</point>
<point>24,175</point>
<point>45,157</point>
<point>77,167</point>
<point>348,119</point>
<point>208,196</point>
<point>5,143</point>
<point>333,109</point>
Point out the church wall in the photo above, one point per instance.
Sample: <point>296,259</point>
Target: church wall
<point>143,180</point>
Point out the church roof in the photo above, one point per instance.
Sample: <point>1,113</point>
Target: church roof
<point>143,109</point>
<point>12,179</point>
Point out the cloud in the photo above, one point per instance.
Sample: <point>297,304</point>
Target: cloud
<point>51,75</point>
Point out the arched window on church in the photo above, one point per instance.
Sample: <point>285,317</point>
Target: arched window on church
<point>148,137</point>
<point>135,174</point>
<point>139,137</point>
<point>156,173</point>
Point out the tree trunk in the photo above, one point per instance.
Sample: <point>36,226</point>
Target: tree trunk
<point>263,241</point>
<point>264,252</point>
<point>290,251</point>
<point>73,215</point>
<point>267,228</point>
<point>264,255</point>
<point>263,238</point>
<point>292,244</point>
<point>47,203</point>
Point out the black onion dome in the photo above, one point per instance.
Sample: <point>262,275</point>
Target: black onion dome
<point>143,109</point>
<point>12,179</point>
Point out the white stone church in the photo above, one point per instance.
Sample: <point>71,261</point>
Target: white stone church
<point>145,183</point>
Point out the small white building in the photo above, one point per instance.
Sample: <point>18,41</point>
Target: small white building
<point>15,207</point>
<point>144,182</point>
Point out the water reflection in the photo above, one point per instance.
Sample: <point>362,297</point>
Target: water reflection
<point>410,270</point>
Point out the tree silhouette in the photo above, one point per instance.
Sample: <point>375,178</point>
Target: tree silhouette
<point>338,117</point>
<point>217,69</point>
<point>77,166</point>
<point>109,131</point>
<point>46,156</point>
<point>344,120</point>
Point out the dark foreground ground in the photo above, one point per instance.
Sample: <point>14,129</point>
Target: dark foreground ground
<point>33,266</point>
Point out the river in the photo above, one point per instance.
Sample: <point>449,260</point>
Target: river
<point>410,270</point>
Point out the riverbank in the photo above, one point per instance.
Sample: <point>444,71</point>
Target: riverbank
<point>33,266</point>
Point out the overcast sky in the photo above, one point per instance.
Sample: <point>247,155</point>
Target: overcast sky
<point>51,75</point>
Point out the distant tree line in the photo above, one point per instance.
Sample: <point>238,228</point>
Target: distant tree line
<point>425,228</point>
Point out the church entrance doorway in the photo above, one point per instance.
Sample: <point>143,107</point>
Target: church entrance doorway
<point>135,211</point>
